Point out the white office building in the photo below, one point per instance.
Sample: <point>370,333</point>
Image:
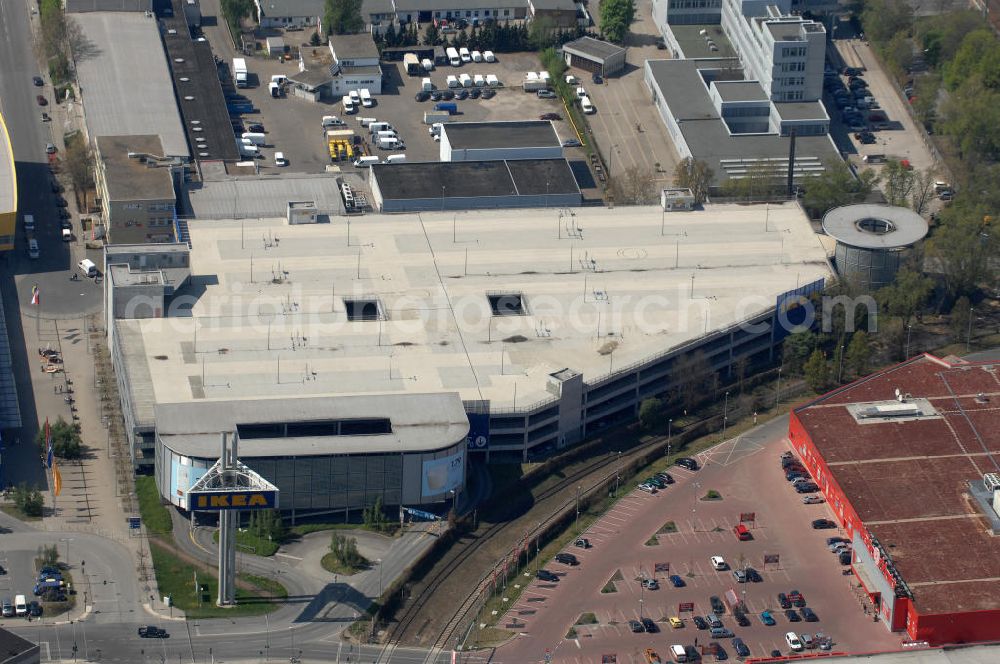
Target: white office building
<point>784,53</point>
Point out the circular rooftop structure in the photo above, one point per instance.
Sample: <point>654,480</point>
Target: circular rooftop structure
<point>870,240</point>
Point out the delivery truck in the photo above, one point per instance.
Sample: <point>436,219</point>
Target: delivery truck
<point>240,72</point>
<point>412,64</point>
<point>448,106</point>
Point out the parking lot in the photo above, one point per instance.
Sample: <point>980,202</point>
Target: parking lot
<point>293,125</point>
<point>636,540</point>
<point>626,127</point>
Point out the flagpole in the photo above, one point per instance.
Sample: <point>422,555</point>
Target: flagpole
<point>37,301</point>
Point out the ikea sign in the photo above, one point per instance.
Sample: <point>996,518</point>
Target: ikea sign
<point>217,501</point>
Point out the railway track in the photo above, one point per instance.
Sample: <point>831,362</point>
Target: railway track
<point>463,550</point>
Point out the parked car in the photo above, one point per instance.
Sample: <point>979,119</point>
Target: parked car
<point>796,598</point>
<point>571,143</point>
<point>687,462</point>
<point>546,94</point>
<point>783,601</point>
<point>792,639</point>
<point>50,148</point>
<point>767,619</point>
<point>596,78</point>
<point>666,477</point>
<point>845,557</point>
<point>741,618</point>
<point>713,621</point>
<point>42,101</point>
<point>422,96</point>
<point>830,541</point>
<point>808,614</point>
<point>676,581</point>
<point>567,559</point>
<point>792,615</point>
<point>807,641</point>
<point>546,575</point>
<point>34,609</point>
<point>676,622</point>
<point>636,626</point>
<point>741,648</point>
<point>699,622</point>
<point>740,576</point>
<point>489,94</point>
<point>582,543</point>
<point>657,482</point>
<point>550,116</point>
<point>811,500</point>
<point>753,576</point>
<point>651,584</point>
<point>7,608</point>
<point>649,625</point>
<point>648,488</point>
<point>475,93</point>
<point>720,653</point>
<point>37,80</point>
<point>717,605</point>
<point>823,524</point>
<point>806,488</point>
<point>718,563</point>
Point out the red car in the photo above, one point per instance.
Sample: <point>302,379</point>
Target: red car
<point>42,101</point>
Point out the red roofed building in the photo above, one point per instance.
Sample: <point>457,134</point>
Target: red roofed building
<point>904,458</point>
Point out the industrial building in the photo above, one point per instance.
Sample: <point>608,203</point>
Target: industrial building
<point>136,188</point>
<point>16,650</point>
<point>474,185</point>
<point>594,55</point>
<point>486,141</point>
<point>712,113</point>
<point>126,81</point>
<point>349,62</point>
<point>907,459</point>
<point>872,241</point>
<point>503,331</point>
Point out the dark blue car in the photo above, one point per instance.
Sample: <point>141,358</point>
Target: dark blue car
<point>676,581</point>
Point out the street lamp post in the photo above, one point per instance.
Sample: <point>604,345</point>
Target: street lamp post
<point>576,525</point>
<point>725,415</point>
<point>777,392</point>
<point>670,425</point>
<point>909,327</point>
<point>67,540</point>
<point>968,336</point>
<point>378,561</point>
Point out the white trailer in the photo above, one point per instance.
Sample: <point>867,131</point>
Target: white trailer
<point>240,72</point>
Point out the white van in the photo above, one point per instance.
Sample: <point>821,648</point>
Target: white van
<point>792,639</point>
<point>67,235</point>
<point>388,143</point>
<point>248,150</point>
<point>33,251</point>
<point>331,121</point>
<point>365,122</point>
<point>29,223</point>
<point>479,80</point>
<point>365,162</point>
<point>427,85</point>
<point>395,159</point>
<point>464,54</point>
<point>20,606</point>
<point>88,267</point>
<point>678,653</point>
<point>586,106</point>
<point>280,79</point>
<point>453,57</point>
<point>279,159</point>
<point>477,56</point>
<point>465,80</point>
<point>355,96</point>
<point>375,127</point>
<point>256,139</point>
<point>274,89</point>
<point>348,104</point>
<point>388,133</point>
<point>489,57</point>
<point>453,82</point>
<point>366,98</point>
<point>427,64</point>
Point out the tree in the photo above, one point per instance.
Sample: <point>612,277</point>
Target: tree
<point>923,191</point>
<point>961,314</point>
<point>837,186</point>
<point>962,249</point>
<point>374,516</point>
<point>345,550</point>
<point>978,55</point>
<point>651,413</point>
<point>858,353</point>
<point>616,17</point>
<point>541,33</point>
<point>28,501</point>
<point>883,19</point>
<point>315,39</point>
<point>78,159</point>
<point>47,555</point>
<point>796,350</point>
<point>432,36</point>
<point>898,182</point>
<point>695,175</point>
<point>234,11</point>
<point>761,183</point>
<point>633,186</point>
<point>971,114</point>
<point>904,298</point>
<point>66,442</point>
<point>817,371</point>
<point>343,17</point>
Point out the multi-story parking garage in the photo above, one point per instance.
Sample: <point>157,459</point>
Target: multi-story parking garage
<point>544,325</point>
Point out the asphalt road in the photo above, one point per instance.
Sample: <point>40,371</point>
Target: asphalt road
<point>60,296</point>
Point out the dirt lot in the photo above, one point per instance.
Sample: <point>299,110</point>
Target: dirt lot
<point>747,474</point>
<point>626,126</point>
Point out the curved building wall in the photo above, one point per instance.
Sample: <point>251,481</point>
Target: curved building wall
<point>8,190</point>
<point>332,482</point>
<point>870,269</point>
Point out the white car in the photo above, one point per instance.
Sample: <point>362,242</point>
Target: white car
<point>792,639</point>
<point>279,159</point>
<point>435,129</point>
<point>811,500</point>
<point>718,562</point>
<point>581,92</point>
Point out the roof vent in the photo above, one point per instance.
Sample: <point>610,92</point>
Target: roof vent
<point>992,481</point>
<point>982,398</point>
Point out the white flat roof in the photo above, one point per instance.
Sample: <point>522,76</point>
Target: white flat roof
<point>127,86</point>
<point>615,288</point>
<point>8,174</point>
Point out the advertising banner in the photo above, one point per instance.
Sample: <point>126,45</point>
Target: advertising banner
<point>181,479</point>
<point>442,475</point>
<point>217,501</point>
<point>479,431</point>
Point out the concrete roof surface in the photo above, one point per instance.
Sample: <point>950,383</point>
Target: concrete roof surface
<point>126,79</point>
<point>293,8</point>
<point>8,174</point>
<point>618,279</point>
<point>130,179</point>
<point>419,422</point>
<point>73,6</point>
<point>487,135</point>
<point>842,223</point>
<point>473,179</point>
<point>259,196</point>
<point>594,48</point>
<point>354,47</point>
<point>908,479</point>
